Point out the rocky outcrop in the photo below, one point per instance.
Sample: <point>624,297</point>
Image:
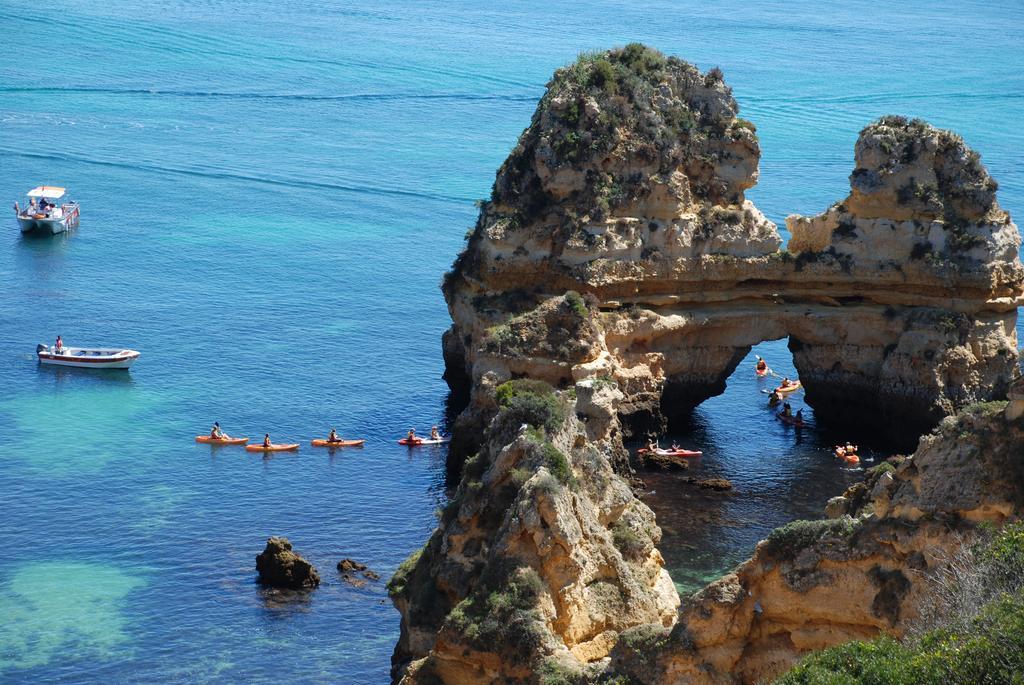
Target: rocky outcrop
<point>813,584</point>
<point>279,566</point>
<point>542,557</point>
<point>628,187</point>
<point>615,279</point>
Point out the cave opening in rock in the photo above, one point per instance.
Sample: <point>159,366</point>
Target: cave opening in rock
<point>778,473</point>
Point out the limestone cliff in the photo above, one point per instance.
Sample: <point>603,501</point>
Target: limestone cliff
<point>542,557</point>
<point>813,584</point>
<point>615,278</point>
<point>899,302</point>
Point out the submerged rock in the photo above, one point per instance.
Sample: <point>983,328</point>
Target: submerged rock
<point>348,569</point>
<point>279,566</point>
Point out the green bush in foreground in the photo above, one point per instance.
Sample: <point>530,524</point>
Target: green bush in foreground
<point>979,641</point>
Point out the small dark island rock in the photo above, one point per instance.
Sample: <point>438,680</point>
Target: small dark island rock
<point>279,566</point>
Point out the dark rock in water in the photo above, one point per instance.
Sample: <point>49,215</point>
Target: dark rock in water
<point>720,484</point>
<point>346,565</point>
<point>665,463</point>
<point>279,566</point>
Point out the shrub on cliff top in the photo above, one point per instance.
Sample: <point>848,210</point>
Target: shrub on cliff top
<point>531,402</point>
<point>786,542</point>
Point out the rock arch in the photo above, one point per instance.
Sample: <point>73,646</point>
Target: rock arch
<point>899,301</point>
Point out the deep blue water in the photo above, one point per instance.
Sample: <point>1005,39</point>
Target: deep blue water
<point>271,192</point>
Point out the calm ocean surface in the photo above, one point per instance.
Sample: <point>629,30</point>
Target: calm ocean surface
<point>271,192</point>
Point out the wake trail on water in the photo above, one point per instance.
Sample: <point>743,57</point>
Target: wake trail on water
<point>300,97</point>
<point>234,176</point>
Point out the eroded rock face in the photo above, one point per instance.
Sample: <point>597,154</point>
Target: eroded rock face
<point>619,261</point>
<point>279,566</point>
<point>899,302</point>
<point>813,584</point>
<point>543,556</point>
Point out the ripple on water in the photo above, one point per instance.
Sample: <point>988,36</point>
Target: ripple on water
<point>62,610</point>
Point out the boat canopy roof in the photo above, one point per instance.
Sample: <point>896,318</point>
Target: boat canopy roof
<point>47,191</point>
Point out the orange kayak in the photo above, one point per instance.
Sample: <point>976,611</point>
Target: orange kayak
<point>206,439</point>
<point>337,443</point>
<point>789,388</point>
<point>273,448</point>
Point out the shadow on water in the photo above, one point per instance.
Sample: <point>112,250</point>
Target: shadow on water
<point>779,473</point>
<point>282,601</point>
<point>73,375</point>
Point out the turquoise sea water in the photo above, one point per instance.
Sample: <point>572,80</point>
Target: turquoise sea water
<point>271,192</point>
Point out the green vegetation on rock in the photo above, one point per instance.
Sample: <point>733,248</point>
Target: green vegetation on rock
<point>980,641</point>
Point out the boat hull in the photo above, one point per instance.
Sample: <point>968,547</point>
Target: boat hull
<point>85,358</point>
<point>51,226</point>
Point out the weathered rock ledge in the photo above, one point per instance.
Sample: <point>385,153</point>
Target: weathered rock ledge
<point>899,302</point>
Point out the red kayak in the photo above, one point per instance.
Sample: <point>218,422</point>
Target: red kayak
<point>762,372</point>
<point>672,453</point>
<point>423,441</point>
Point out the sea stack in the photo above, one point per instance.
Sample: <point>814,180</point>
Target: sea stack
<point>279,566</point>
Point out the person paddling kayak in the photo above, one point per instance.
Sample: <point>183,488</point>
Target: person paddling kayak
<point>266,440</point>
<point>774,398</point>
<point>333,436</point>
<point>216,433</point>
<point>787,410</point>
<point>762,366</point>
<point>434,433</point>
<point>411,436</point>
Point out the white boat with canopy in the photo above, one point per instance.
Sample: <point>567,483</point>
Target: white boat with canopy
<point>87,357</point>
<point>41,212</point>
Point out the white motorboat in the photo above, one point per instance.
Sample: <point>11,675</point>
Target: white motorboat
<point>87,357</point>
<point>42,212</point>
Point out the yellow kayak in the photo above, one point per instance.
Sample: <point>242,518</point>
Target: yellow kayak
<point>789,388</point>
<point>273,448</point>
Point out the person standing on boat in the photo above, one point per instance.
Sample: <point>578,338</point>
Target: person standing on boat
<point>58,346</point>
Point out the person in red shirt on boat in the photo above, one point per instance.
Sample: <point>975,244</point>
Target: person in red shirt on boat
<point>58,346</point>
<point>266,440</point>
<point>411,437</point>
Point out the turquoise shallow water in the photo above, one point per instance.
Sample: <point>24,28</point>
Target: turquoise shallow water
<point>270,194</point>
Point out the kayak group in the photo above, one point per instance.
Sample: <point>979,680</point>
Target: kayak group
<point>217,436</point>
<point>847,452</point>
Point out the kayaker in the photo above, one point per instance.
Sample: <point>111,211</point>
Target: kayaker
<point>762,365</point>
<point>800,416</point>
<point>216,433</point>
<point>434,433</point>
<point>840,451</point>
<point>787,410</point>
<point>774,398</point>
<point>786,383</point>
<point>652,445</point>
<point>411,437</point>
<point>676,447</point>
<point>333,436</point>
<point>266,440</point>
<point>851,448</point>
